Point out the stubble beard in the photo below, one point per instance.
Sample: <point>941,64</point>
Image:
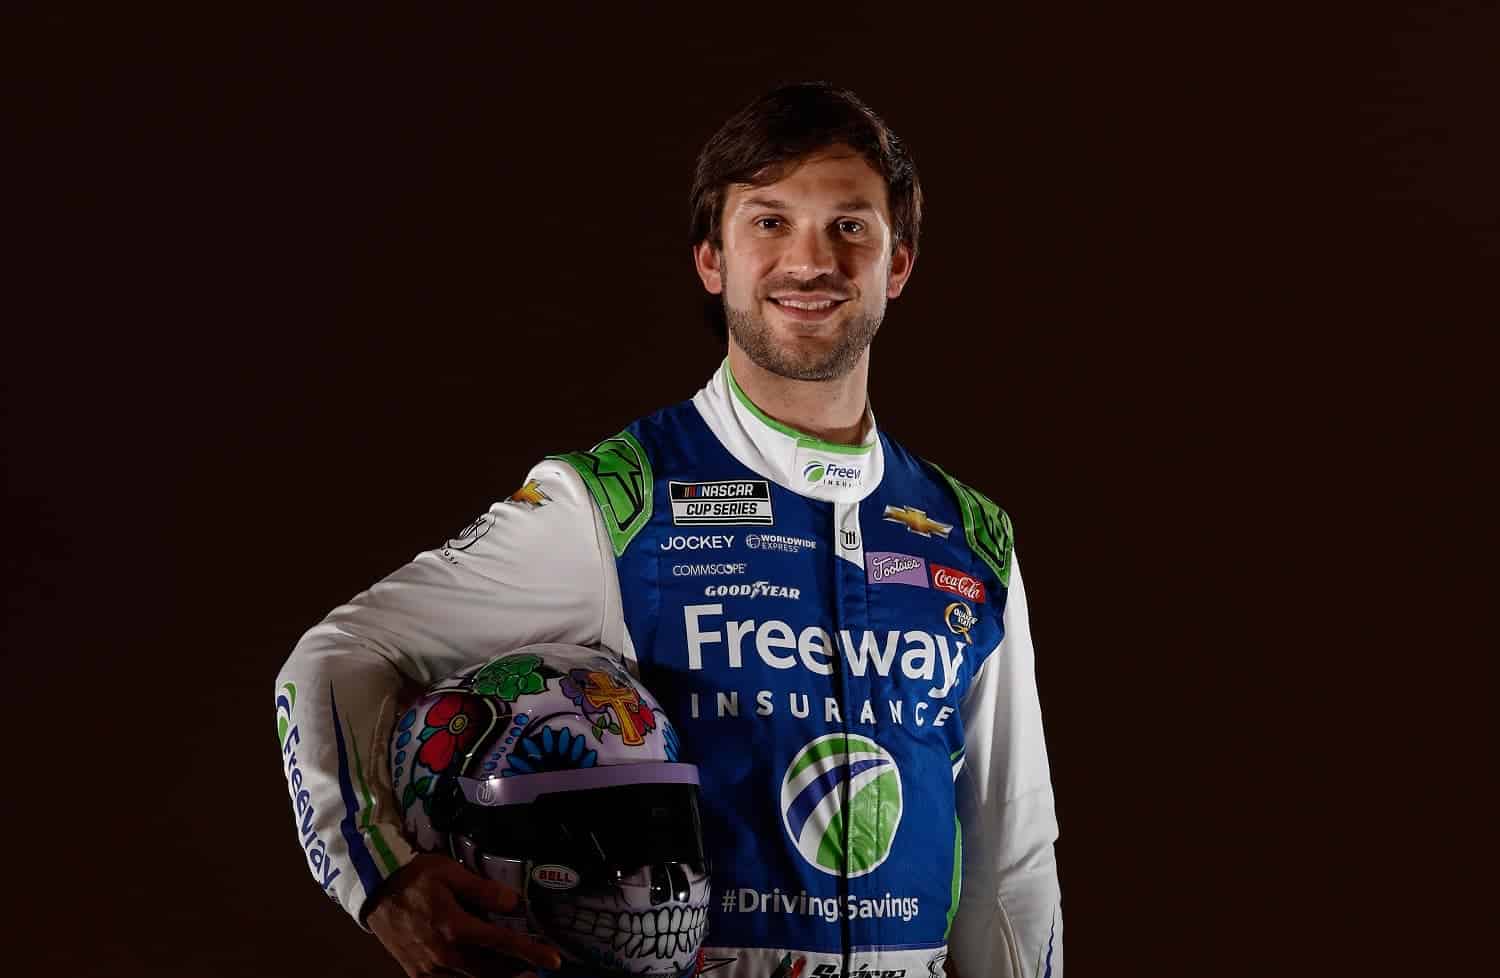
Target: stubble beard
<point>753,335</point>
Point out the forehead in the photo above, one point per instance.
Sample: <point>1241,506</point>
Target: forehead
<point>828,179</point>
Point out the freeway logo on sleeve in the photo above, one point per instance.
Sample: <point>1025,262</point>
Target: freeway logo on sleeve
<point>814,813</point>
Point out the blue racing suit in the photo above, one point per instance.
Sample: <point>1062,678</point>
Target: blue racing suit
<point>838,632</point>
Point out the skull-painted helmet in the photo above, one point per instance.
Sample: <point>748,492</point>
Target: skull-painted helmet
<point>555,772</point>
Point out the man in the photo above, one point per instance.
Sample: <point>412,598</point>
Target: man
<point>837,628</point>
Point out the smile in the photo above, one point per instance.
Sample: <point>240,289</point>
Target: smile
<point>807,310</point>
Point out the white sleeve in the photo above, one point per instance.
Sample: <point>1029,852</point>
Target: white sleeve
<point>522,573</point>
<point>1009,920</point>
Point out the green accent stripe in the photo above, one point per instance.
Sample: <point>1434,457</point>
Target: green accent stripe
<point>618,475</point>
<point>987,527</point>
<point>958,875</point>
<point>804,440</point>
<point>367,808</point>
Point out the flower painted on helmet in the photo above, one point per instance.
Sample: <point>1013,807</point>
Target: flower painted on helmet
<point>550,749</point>
<point>673,744</point>
<point>509,677</point>
<point>453,723</point>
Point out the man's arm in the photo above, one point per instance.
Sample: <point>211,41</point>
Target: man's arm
<point>529,570</point>
<point>1009,920</point>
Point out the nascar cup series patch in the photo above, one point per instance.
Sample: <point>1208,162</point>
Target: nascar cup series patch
<point>737,502</point>
<point>813,809</point>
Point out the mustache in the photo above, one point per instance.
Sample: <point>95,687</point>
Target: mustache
<point>835,284</point>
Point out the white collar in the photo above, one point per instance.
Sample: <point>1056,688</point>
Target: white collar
<point>806,465</point>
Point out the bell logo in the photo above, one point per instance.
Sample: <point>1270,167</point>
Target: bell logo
<point>555,877</point>
<point>813,807</point>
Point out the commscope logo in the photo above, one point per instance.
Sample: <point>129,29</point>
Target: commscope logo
<point>708,570</point>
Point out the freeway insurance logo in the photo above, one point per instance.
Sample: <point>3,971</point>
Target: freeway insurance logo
<point>820,816</point>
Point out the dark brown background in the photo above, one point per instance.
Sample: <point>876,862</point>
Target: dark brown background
<point>1199,302</point>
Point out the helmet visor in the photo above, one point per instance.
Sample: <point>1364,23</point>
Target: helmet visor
<point>610,822</point>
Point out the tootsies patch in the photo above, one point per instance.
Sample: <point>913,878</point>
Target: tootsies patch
<point>892,568</point>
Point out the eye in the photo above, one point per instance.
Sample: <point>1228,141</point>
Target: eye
<point>768,223</point>
<point>850,226</point>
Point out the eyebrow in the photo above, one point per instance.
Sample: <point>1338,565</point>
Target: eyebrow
<point>770,203</point>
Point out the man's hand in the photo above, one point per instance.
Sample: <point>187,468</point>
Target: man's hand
<point>421,917</point>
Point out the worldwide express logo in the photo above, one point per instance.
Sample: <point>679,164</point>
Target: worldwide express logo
<point>816,815</point>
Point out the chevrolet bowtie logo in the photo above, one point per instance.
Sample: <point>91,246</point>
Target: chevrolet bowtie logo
<point>530,495</point>
<point>917,521</point>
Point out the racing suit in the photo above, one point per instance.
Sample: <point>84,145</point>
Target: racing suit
<point>838,632</point>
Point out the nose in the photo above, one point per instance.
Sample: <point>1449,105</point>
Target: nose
<point>810,254</point>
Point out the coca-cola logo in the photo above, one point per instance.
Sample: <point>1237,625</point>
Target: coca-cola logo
<point>957,582</point>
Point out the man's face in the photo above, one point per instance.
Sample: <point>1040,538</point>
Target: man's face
<point>807,266</point>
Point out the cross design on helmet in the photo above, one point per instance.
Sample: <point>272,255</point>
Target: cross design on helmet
<point>600,689</point>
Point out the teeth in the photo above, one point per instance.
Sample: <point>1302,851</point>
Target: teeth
<point>635,925</point>
<point>676,918</point>
<point>649,925</point>
<point>621,937</point>
<point>622,923</point>
<point>604,926</point>
<point>665,944</point>
<point>663,920</point>
<point>584,921</point>
<point>796,304</point>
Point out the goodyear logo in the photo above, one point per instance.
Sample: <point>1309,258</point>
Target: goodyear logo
<point>813,806</point>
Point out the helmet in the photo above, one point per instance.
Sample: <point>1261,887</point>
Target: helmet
<point>553,771</point>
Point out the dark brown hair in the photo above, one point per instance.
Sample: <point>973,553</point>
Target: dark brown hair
<point>762,141</point>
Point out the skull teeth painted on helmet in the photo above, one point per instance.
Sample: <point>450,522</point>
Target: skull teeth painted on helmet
<point>554,771</point>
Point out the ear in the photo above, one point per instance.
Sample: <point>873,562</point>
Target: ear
<point>709,263</point>
<point>902,262</point>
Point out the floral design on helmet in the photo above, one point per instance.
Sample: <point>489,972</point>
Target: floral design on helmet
<point>453,723</point>
<point>509,677</point>
<point>550,750</point>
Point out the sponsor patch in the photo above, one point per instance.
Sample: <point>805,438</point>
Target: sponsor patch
<point>840,473</point>
<point>468,536</point>
<point>756,589</point>
<point>708,570</point>
<point>739,502</point>
<point>555,877</point>
<point>957,582</point>
<point>840,778</point>
<point>960,618</point>
<point>917,521</point>
<point>681,542</point>
<point>892,568</point>
<point>530,495</point>
<point>777,541</point>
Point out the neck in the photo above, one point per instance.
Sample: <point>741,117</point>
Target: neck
<point>829,410</point>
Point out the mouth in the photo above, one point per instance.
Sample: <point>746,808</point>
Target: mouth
<point>662,933</point>
<point>807,310</point>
